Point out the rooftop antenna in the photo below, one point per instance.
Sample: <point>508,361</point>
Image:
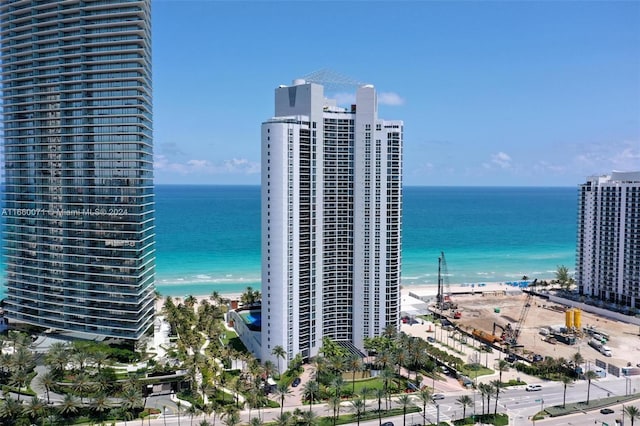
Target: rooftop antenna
<point>332,80</point>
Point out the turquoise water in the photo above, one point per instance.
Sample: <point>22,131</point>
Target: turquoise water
<point>208,237</point>
<point>253,318</point>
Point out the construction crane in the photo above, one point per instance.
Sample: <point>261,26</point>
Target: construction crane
<point>444,296</point>
<point>523,316</point>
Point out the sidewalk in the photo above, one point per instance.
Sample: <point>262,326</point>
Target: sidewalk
<point>424,329</point>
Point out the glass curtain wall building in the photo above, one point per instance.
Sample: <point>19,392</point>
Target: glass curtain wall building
<point>78,198</point>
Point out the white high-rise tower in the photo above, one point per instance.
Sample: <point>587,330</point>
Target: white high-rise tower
<point>331,221</point>
<point>608,247</point>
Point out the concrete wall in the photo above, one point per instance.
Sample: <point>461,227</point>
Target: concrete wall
<point>595,310</point>
<point>251,339</point>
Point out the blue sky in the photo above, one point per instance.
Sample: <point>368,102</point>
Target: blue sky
<point>491,93</point>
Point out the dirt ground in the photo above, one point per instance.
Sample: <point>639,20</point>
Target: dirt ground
<point>478,312</point>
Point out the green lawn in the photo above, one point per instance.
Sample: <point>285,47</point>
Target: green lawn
<point>472,373</point>
<point>230,337</point>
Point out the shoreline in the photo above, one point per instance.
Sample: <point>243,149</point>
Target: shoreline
<point>181,291</point>
<point>405,290</point>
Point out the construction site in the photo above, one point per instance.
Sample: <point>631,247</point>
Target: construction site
<point>545,329</point>
<point>527,324</point>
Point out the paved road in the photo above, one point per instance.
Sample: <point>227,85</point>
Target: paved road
<point>519,404</point>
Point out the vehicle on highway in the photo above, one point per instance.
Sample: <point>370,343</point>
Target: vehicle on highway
<point>533,388</point>
<point>296,382</point>
<point>606,411</point>
<point>437,396</point>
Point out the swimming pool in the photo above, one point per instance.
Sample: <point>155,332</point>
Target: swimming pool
<point>252,318</point>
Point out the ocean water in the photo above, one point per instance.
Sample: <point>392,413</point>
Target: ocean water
<point>208,237</point>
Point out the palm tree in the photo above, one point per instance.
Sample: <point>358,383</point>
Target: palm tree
<point>563,278</point>
<point>405,401</point>
<point>192,411</point>
<point>232,418</point>
<point>486,389</point>
<point>577,359</point>
<point>425,397</point>
<point>358,408</point>
<point>100,404</point>
<point>268,368</point>
<point>100,359</point>
<point>69,406</point>
<point>632,412</point>
<point>497,385</point>
<point>566,381</point>
<point>589,376</point>
<point>284,419</point>
<point>364,393</point>
<point>336,383</point>
<point>386,375</point>
<point>465,401</point>
<point>309,391</point>
<point>179,407</point>
<point>279,352</point>
<point>255,421</point>
<point>379,394</point>
<point>334,405</point>
<point>35,409</point>
<point>131,399</point>
<point>309,418</point>
<point>502,366</point>
<point>81,384</point>
<point>355,364</point>
<point>282,390</point>
<point>19,379</point>
<point>58,356</point>
<point>10,409</point>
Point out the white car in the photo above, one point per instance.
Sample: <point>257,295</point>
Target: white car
<point>437,396</point>
<point>533,388</point>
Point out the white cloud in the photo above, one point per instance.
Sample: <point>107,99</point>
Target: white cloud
<point>344,98</point>
<point>544,166</point>
<point>627,158</point>
<point>603,158</point>
<point>195,166</point>
<point>501,159</point>
<point>384,98</point>
<point>241,165</point>
<point>390,98</point>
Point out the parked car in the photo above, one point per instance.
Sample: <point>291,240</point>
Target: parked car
<point>511,358</point>
<point>387,424</point>
<point>430,339</point>
<point>437,396</point>
<point>296,382</point>
<point>537,358</point>
<point>606,411</point>
<point>533,388</point>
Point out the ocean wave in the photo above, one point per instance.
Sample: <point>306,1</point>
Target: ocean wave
<point>207,279</point>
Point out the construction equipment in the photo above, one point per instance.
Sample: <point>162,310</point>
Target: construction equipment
<point>444,299</point>
<point>485,337</point>
<point>507,331</point>
<point>513,340</point>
